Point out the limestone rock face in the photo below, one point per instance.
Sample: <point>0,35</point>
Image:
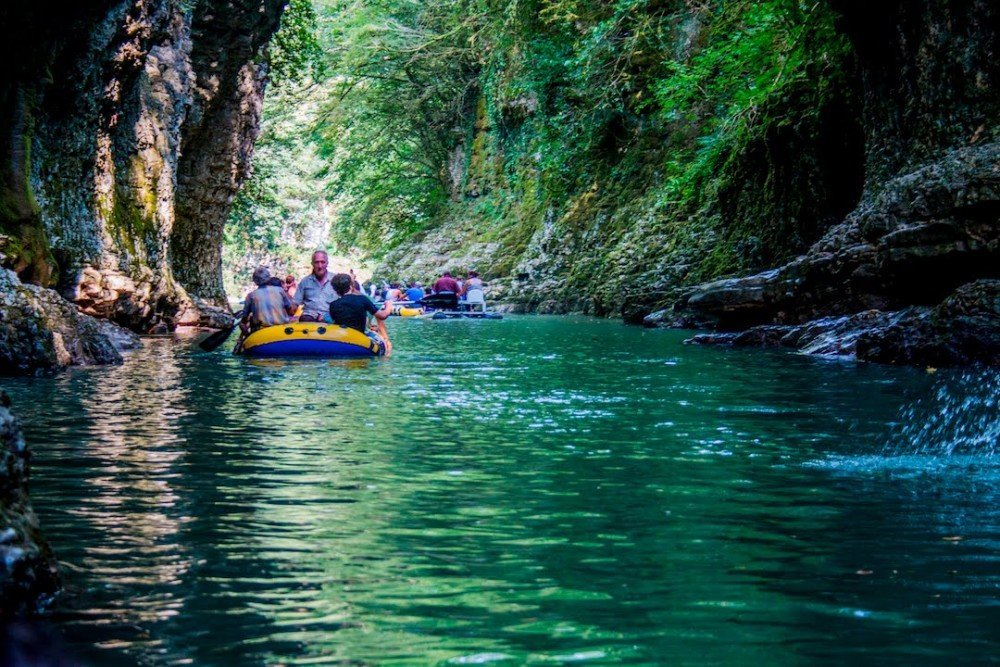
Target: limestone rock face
<point>129,127</point>
<point>28,572</point>
<point>924,242</point>
<point>41,332</point>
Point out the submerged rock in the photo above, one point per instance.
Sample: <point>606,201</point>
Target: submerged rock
<point>41,332</point>
<point>28,575</point>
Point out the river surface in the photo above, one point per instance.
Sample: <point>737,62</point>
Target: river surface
<point>538,490</point>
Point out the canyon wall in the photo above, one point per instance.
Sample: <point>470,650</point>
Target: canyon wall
<point>911,274</point>
<point>867,201</point>
<point>127,130</point>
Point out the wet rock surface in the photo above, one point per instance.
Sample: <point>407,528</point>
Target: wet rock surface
<point>28,575</point>
<point>963,329</point>
<point>129,128</point>
<point>40,332</point>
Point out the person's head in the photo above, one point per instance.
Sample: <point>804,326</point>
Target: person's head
<point>319,261</point>
<point>446,274</point>
<point>261,275</point>
<point>341,283</point>
<point>473,274</point>
<point>356,287</point>
<point>289,281</point>
<point>274,281</point>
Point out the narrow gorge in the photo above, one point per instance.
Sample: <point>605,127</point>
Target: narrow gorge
<point>817,176</point>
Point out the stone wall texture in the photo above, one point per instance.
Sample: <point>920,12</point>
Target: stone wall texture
<point>129,128</point>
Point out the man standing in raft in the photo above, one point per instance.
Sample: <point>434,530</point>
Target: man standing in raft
<point>266,305</point>
<point>352,311</point>
<point>315,292</point>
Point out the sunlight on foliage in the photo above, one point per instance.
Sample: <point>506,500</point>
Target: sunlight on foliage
<point>418,106</point>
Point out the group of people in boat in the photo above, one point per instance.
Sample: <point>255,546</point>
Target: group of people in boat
<point>319,297</point>
<point>340,299</point>
<point>469,291</point>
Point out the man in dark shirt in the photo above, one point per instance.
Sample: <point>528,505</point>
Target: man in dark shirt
<point>446,284</point>
<point>352,310</point>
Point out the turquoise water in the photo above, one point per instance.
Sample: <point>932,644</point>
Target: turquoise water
<point>539,490</point>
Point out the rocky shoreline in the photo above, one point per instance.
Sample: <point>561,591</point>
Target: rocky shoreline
<point>40,332</point>
<point>911,277</point>
<point>28,574</point>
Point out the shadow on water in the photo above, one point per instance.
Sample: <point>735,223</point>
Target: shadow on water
<point>534,490</point>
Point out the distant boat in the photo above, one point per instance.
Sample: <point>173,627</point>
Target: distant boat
<point>445,306</point>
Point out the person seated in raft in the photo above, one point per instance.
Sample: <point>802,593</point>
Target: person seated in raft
<point>446,284</point>
<point>414,292</point>
<point>315,293</point>
<point>394,293</point>
<point>472,292</point>
<point>289,286</point>
<point>266,305</point>
<point>352,310</point>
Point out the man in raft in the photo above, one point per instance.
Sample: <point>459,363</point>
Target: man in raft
<point>315,293</point>
<point>266,305</point>
<point>446,284</point>
<point>352,311</point>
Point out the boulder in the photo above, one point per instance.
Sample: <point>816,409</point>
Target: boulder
<point>41,332</point>
<point>962,329</point>
<point>28,575</point>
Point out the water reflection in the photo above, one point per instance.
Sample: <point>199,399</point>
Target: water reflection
<point>537,498</point>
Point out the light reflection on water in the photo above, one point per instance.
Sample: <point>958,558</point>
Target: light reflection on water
<point>536,490</point>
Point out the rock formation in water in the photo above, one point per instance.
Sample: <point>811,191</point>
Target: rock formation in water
<point>27,567</point>
<point>125,130</point>
<point>918,259</point>
<point>41,332</point>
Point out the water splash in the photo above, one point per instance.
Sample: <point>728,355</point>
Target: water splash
<point>958,416</point>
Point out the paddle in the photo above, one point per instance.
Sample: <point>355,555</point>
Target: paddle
<point>219,337</point>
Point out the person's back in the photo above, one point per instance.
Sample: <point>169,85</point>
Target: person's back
<point>351,311</point>
<point>268,305</point>
<point>414,293</point>
<point>446,284</point>
<point>394,294</point>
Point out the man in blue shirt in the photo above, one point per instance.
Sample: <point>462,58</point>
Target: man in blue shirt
<point>315,293</point>
<point>415,292</point>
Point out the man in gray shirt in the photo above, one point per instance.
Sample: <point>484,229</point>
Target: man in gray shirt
<point>315,292</point>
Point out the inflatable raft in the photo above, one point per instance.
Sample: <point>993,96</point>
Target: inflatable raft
<point>406,311</point>
<point>310,339</point>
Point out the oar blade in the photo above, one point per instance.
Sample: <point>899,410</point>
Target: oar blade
<point>215,340</point>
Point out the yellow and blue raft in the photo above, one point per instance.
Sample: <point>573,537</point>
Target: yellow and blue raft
<point>310,339</point>
<point>404,310</point>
